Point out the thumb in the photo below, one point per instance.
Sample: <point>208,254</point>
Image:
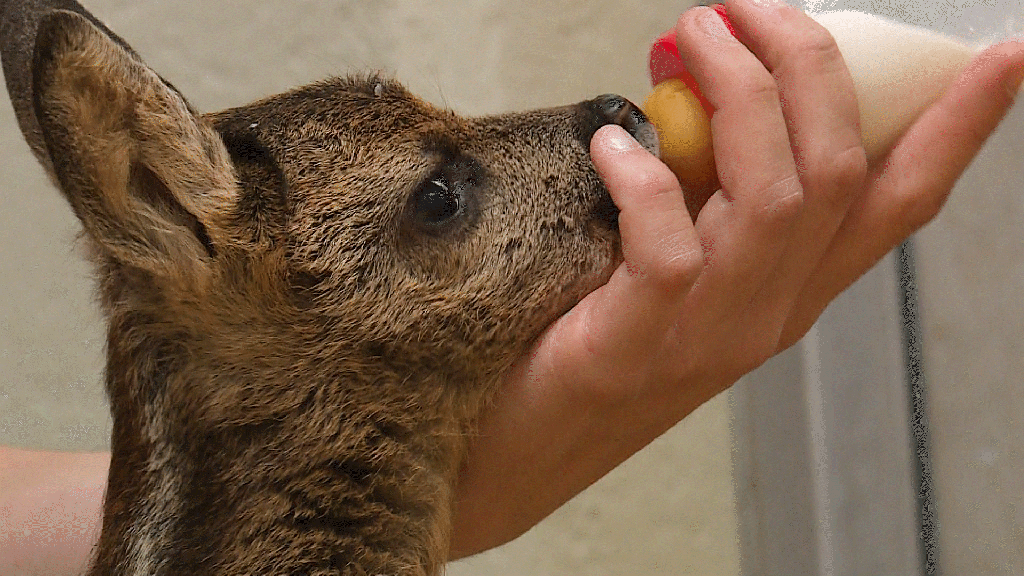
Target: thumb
<point>661,250</point>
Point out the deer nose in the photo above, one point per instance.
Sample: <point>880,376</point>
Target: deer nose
<point>614,109</point>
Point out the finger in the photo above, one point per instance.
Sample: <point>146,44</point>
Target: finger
<point>662,256</point>
<point>817,96</point>
<point>912,185</point>
<point>922,168</point>
<point>823,120</point>
<point>745,227</point>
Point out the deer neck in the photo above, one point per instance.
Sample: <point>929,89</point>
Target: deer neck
<point>355,487</point>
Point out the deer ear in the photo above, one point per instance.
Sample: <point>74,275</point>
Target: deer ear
<point>150,180</point>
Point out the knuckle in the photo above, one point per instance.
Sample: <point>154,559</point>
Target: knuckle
<point>651,188</point>
<point>837,177</point>
<point>782,202</point>
<point>677,265</point>
<point>690,32</point>
<point>761,88</point>
<point>669,265</point>
<point>815,46</point>
<point>813,52</point>
<point>655,183</point>
<point>688,24</point>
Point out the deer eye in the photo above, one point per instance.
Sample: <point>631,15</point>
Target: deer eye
<point>447,202</point>
<point>438,202</point>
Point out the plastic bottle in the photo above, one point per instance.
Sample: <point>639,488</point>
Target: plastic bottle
<point>898,70</point>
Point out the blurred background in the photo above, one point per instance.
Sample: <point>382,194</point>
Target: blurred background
<point>811,466</point>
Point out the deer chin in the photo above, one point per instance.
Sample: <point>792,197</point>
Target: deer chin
<point>594,280</point>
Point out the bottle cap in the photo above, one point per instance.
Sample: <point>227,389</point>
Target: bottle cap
<point>665,62</point>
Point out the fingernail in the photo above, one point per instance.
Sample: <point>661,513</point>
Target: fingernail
<point>713,25</point>
<point>619,140</point>
<point>720,10</point>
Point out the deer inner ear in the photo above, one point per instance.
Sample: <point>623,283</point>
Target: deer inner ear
<point>263,199</point>
<point>149,188</point>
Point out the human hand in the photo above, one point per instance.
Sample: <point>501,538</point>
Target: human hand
<point>695,306</point>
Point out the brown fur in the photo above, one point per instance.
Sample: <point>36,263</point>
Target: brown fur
<point>295,357</point>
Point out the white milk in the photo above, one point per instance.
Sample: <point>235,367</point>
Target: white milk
<point>898,70</point>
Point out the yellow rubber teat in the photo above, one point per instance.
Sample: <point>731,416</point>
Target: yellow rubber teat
<point>684,131</point>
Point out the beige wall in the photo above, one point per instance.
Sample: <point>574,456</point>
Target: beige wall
<point>667,511</point>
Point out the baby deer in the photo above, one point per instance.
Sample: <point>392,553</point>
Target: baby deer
<point>309,298</point>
